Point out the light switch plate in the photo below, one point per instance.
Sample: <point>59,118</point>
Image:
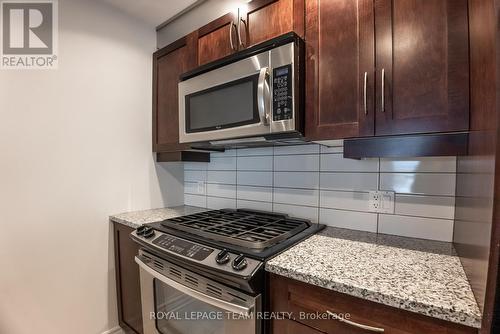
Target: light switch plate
<point>386,202</point>
<point>381,201</point>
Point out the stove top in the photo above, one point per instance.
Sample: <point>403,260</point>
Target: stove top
<point>231,245</point>
<point>256,234</point>
<point>245,228</point>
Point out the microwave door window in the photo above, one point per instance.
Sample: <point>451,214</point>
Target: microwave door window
<point>229,105</point>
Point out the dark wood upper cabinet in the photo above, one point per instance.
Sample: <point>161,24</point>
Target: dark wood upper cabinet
<point>267,19</point>
<point>422,47</point>
<point>416,58</point>
<point>217,39</point>
<point>168,64</point>
<point>339,69</point>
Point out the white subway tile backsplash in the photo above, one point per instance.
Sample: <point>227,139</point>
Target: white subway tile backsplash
<point>415,183</point>
<point>226,153</point>
<point>264,194</point>
<point>349,181</point>
<point>337,163</point>
<point>195,175</point>
<point>346,200</point>
<point>225,177</point>
<point>255,163</point>
<point>326,144</point>
<point>428,206</point>
<point>195,200</point>
<point>416,227</point>
<point>304,197</point>
<point>315,182</point>
<point>420,165</point>
<point>304,180</point>
<point>333,149</point>
<point>255,151</point>
<point>217,203</point>
<point>305,212</point>
<point>255,178</point>
<point>195,166</point>
<point>254,205</point>
<point>296,149</point>
<point>221,190</point>
<point>298,163</point>
<point>195,188</point>
<point>227,163</point>
<point>362,221</point>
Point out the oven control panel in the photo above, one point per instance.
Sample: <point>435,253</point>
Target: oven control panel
<point>183,247</point>
<point>220,259</point>
<point>282,93</point>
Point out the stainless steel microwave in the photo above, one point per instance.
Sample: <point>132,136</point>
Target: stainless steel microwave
<point>254,96</point>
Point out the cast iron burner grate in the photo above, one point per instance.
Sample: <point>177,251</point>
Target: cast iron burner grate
<point>246,228</point>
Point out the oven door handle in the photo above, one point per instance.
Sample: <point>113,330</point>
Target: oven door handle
<point>263,94</point>
<point>222,304</point>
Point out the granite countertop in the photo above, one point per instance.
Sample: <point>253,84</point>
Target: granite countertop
<point>416,275</point>
<point>137,218</point>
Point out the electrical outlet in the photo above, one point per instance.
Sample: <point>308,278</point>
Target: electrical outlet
<point>381,201</point>
<point>201,187</point>
<point>374,202</point>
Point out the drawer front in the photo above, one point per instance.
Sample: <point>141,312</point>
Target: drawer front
<point>286,326</point>
<point>335,313</point>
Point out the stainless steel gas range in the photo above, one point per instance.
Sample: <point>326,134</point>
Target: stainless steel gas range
<point>204,273</point>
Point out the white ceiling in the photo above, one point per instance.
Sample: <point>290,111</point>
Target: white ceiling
<point>153,12</point>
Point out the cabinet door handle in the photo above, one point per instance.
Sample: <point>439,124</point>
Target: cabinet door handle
<point>239,31</point>
<point>383,90</point>
<point>231,35</point>
<point>364,93</point>
<point>355,324</point>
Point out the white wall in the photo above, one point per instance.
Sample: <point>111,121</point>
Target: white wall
<point>317,183</point>
<point>75,147</point>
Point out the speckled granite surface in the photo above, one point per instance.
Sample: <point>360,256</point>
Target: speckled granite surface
<point>420,276</point>
<point>137,218</point>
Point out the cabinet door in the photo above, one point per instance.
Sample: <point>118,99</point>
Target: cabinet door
<point>217,39</point>
<point>422,47</point>
<point>168,64</point>
<point>127,279</point>
<point>286,326</point>
<point>266,19</point>
<point>304,302</point>
<point>339,69</point>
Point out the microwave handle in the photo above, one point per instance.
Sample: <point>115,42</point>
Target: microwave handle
<point>263,95</point>
<point>222,304</point>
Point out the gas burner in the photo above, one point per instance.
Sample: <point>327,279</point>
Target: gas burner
<point>245,228</point>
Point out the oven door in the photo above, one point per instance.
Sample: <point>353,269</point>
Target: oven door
<point>229,102</point>
<point>178,301</point>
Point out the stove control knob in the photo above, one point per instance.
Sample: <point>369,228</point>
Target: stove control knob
<point>148,232</point>
<point>140,230</point>
<point>239,263</point>
<point>222,257</point>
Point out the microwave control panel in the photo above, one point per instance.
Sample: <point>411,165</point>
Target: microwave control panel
<point>282,93</point>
